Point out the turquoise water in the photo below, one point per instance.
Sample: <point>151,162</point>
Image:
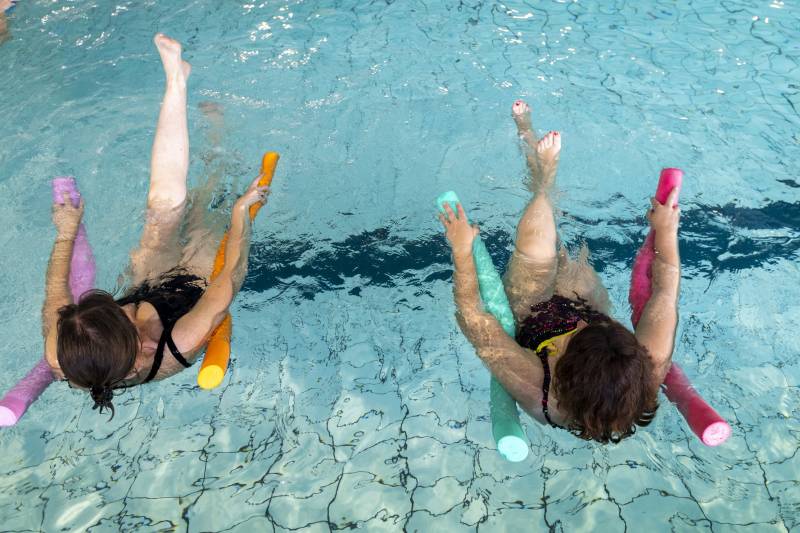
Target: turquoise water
<point>353,400</point>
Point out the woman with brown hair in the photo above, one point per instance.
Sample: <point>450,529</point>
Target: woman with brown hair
<point>101,344</point>
<point>571,365</point>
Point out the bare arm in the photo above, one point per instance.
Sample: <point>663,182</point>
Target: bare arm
<point>659,320</point>
<point>193,329</point>
<point>57,294</point>
<point>518,372</point>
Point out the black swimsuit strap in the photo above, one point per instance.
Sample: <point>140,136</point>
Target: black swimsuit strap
<point>546,385</point>
<point>158,358</point>
<point>174,349</point>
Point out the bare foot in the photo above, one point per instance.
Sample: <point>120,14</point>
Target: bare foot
<point>213,111</point>
<point>521,112</point>
<point>547,150</point>
<point>170,51</point>
<point>522,116</point>
<point>5,5</point>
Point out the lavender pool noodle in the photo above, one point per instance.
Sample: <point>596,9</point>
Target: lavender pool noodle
<point>81,278</point>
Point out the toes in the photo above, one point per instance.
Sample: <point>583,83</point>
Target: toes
<point>557,140</point>
<point>520,107</point>
<point>550,140</point>
<point>160,40</point>
<point>167,44</point>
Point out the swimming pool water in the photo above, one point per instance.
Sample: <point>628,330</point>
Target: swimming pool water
<point>353,400</point>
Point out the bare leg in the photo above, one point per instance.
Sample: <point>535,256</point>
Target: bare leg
<point>532,271</point>
<point>577,278</point>
<point>204,230</point>
<point>169,163</point>
<point>522,117</point>
<point>537,269</point>
<point>169,166</point>
<point>536,233</point>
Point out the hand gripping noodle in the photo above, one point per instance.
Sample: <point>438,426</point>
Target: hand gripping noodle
<point>218,350</point>
<point>81,279</point>
<point>506,428</point>
<point>701,417</point>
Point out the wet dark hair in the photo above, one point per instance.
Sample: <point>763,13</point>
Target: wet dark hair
<point>97,346</point>
<point>604,382</point>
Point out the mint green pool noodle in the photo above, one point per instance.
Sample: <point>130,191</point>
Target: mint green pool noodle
<point>506,428</point>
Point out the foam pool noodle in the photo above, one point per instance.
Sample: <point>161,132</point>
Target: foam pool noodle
<point>506,428</point>
<point>701,417</point>
<point>81,278</point>
<point>218,351</point>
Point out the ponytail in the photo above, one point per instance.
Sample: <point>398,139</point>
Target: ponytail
<point>97,346</point>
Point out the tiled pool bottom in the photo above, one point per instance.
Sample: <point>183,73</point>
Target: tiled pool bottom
<point>374,421</point>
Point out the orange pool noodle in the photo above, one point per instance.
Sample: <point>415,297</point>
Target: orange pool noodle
<point>218,350</point>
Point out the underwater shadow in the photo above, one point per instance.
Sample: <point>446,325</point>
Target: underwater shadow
<point>713,239</point>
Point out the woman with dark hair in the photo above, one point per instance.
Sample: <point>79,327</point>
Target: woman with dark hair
<point>571,365</point>
<point>101,344</point>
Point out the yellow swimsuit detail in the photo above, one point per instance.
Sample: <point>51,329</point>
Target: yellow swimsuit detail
<point>545,348</point>
<point>550,343</point>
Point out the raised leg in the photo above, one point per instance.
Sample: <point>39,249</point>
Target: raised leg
<point>169,166</point>
<point>536,233</point>
<point>522,117</point>
<point>169,162</point>
<point>532,270</point>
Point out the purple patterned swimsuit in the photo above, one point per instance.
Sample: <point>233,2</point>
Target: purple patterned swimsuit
<point>549,319</point>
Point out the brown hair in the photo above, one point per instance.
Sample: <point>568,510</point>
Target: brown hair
<point>97,345</point>
<point>604,383</point>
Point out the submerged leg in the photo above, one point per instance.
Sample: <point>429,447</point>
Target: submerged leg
<point>577,278</point>
<point>169,166</point>
<point>204,230</point>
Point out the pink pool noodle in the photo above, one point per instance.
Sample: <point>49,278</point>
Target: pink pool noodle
<point>701,417</point>
<point>81,278</point>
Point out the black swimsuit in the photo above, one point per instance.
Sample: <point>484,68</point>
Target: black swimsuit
<point>546,386</point>
<point>173,294</point>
